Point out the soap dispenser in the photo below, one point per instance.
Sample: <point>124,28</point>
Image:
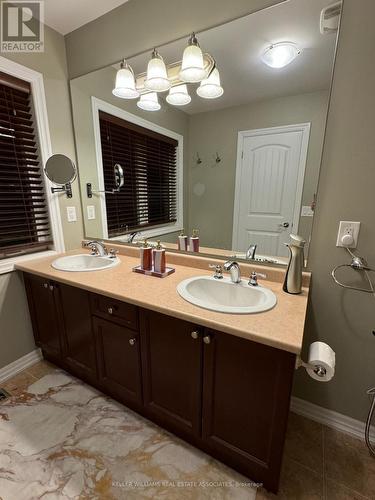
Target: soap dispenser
<point>293,277</point>
<point>146,256</point>
<point>194,241</point>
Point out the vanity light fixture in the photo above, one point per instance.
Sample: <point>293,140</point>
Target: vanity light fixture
<point>279,55</point>
<point>178,96</point>
<point>157,76</point>
<point>125,82</point>
<point>192,67</point>
<point>210,87</point>
<point>149,102</point>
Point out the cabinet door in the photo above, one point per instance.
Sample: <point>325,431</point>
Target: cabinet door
<point>171,368</point>
<point>246,394</point>
<point>78,341</point>
<point>40,295</point>
<point>119,361</point>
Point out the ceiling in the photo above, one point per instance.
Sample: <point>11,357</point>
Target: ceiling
<point>65,16</point>
<point>238,45</point>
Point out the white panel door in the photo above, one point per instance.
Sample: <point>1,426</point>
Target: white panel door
<point>269,188</point>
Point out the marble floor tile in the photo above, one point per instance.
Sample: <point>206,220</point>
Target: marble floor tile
<point>41,368</point>
<point>18,384</point>
<point>348,462</point>
<point>304,442</point>
<point>336,491</point>
<point>62,439</point>
<point>296,483</point>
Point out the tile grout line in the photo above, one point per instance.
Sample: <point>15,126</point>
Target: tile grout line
<point>324,464</point>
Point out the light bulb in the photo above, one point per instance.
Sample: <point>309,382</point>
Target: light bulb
<point>210,87</point>
<point>192,67</point>
<point>280,54</point>
<point>178,96</point>
<point>149,102</point>
<point>157,76</point>
<point>125,83</point>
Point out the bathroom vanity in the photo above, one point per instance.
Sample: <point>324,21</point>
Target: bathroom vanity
<point>219,381</point>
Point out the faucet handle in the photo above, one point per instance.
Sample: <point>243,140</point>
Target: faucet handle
<point>218,271</point>
<point>113,253</point>
<point>253,280</point>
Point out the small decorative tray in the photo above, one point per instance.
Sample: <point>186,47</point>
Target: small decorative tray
<point>167,272</point>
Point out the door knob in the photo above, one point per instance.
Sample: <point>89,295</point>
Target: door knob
<point>132,341</point>
<point>284,224</point>
<point>207,339</point>
<point>194,334</point>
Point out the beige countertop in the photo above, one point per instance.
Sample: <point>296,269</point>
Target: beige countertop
<point>282,327</point>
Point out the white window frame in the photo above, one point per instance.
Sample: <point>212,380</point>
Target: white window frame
<point>99,105</point>
<point>41,117</point>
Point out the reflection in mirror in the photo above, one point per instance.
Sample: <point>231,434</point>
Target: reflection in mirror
<point>61,171</point>
<point>242,167</point>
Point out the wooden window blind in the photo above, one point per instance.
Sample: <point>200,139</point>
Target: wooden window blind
<point>24,220</point>
<point>149,160</point>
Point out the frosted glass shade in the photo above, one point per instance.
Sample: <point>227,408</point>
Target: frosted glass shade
<point>280,54</point>
<point>157,76</point>
<point>178,96</point>
<point>125,83</point>
<point>149,102</point>
<point>210,88</point>
<point>192,67</point>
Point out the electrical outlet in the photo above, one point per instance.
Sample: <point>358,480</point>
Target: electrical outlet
<point>347,235</point>
<point>90,212</point>
<point>71,214</point>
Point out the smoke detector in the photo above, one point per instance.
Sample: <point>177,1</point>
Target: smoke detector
<point>330,18</point>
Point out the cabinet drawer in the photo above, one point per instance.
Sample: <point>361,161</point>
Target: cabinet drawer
<point>112,309</point>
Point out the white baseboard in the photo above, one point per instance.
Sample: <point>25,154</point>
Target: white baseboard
<point>330,418</point>
<point>20,364</point>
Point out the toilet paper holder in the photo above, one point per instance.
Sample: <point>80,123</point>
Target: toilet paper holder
<point>318,369</point>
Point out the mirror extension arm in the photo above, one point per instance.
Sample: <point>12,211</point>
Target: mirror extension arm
<point>119,182</point>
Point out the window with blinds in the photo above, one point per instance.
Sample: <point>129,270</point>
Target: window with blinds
<point>149,161</point>
<point>24,220</point>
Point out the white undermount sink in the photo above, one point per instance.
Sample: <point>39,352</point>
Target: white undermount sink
<point>84,262</point>
<point>222,295</point>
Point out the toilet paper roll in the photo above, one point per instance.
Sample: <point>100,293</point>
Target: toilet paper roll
<point>320,354</point>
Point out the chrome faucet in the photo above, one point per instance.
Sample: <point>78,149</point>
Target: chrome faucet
<point>132,236</point>
<point>234,269</point>
<point>250,253</point>
<point>97,248</point>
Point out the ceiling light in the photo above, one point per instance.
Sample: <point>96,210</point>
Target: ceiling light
<point>149,102</point>
<point>178,96</point>
<point>210,87</point>
<point>125,83</point>
<point>192,68</point>
<point>280,54</point>
<point>157,76</point>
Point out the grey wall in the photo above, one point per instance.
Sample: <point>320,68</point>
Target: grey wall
<point>345,319</point>
<point>218,131</point>
<point>16,336</point>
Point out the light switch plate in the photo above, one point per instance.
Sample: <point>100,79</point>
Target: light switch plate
<point>71,214</point>
<point>348,228</point>
<point>90,212</point>
<point>307,211</point>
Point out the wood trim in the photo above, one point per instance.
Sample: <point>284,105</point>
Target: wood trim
<point>13,82</point>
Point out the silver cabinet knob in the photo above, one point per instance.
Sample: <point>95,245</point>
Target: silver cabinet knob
<point>194,335</point>
<point>45,285</point>
<point>110,310</point>
<point>51,287</point>
<point>207,339</point>
<point>132,341</point>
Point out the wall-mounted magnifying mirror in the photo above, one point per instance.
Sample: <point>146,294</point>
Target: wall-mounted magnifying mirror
<point>119,180</point>
<point>61,171</point>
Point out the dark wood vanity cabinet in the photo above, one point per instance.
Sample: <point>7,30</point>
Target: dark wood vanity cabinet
<point>246,393</point>
<point>227,395</point>
<point>171,366</point>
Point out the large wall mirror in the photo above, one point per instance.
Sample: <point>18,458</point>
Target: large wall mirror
<point>241,168</point>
